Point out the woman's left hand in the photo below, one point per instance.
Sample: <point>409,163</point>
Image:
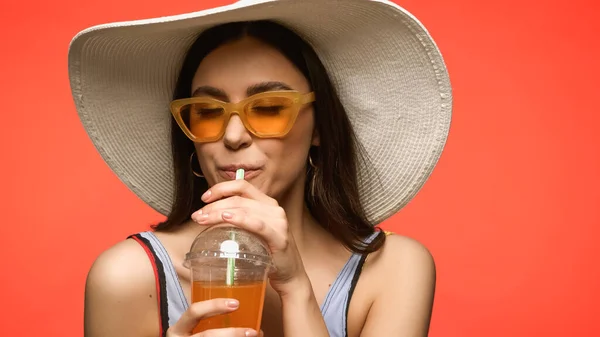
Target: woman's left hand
<point>239,203</point>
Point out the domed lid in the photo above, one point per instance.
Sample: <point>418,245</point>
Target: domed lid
<point>227,242</point>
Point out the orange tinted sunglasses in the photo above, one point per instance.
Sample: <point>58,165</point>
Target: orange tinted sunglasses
<point>266,115</point>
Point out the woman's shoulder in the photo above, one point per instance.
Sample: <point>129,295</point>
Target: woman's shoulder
<point>401,257</point>
<point>403,262</point>
<point>120,286</point>
<point>123,265</point>
<point>403,249</point>
<point>399,285</point>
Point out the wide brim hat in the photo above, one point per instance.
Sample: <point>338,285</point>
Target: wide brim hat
<point>383,63</point>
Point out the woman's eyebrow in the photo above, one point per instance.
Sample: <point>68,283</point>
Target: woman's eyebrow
<point>209,91</point>
<point>266,86</point>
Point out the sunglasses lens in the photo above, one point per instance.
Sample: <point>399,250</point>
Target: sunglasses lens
<point>270,116</point>
<point>266,116</point>
<point>204,120</point>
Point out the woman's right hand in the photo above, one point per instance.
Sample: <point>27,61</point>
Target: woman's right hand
<point>201,310</point>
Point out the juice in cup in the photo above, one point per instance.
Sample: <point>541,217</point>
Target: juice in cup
<point>229,262</point>
<point>248,315</point>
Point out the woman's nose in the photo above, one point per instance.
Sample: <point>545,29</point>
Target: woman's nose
<point>236,135</point>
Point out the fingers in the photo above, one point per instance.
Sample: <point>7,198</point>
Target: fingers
<point>275,234</point>
<point>228,332</point>
<point>200,310</point>
<point>228,203</point>
<point>239,203</point>
<point>236,187</point>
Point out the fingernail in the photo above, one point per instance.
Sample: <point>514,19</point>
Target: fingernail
<point>233,304</point>
<point>206,195</point>
<point>199,217</point>
<point>227,215</point>
<point>251,333</point>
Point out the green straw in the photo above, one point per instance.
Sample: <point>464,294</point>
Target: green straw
<point>230,266</point>
<point>229,278</point>
<point>239,174</point>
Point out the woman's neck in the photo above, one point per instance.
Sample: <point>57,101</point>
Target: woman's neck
<point>307,232</point>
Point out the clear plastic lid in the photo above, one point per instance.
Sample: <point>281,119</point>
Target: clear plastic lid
<point>227,242</point>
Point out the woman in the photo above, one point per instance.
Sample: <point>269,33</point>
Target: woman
<point>337,124</point>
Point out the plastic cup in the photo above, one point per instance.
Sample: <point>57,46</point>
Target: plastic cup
<point>229,262</point>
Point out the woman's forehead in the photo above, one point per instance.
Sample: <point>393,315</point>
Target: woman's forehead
<point>237,66</point>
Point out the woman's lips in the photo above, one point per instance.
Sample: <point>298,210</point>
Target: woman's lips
<point>230,174</point>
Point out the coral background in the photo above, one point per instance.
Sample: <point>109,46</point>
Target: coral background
<point>511,213</point>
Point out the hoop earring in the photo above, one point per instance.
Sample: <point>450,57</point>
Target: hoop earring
<point>310,162</point>
<point>314,169</point>
<point>199,175</point>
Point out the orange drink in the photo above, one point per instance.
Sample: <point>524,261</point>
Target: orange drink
<point>228,262</point>
<point>249,314</point>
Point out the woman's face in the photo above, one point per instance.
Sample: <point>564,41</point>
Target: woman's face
<point>273,165</point>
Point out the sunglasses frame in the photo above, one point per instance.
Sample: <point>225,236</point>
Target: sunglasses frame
<point>298,100</point>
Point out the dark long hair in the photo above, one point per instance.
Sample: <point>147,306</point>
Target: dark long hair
<point>335,205</point>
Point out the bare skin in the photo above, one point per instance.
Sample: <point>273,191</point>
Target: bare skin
<point>393,297</point>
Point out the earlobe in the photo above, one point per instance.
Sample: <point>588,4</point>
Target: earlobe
<point>316,140</point>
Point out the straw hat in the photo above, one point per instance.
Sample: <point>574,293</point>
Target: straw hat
<point>386,69</point>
